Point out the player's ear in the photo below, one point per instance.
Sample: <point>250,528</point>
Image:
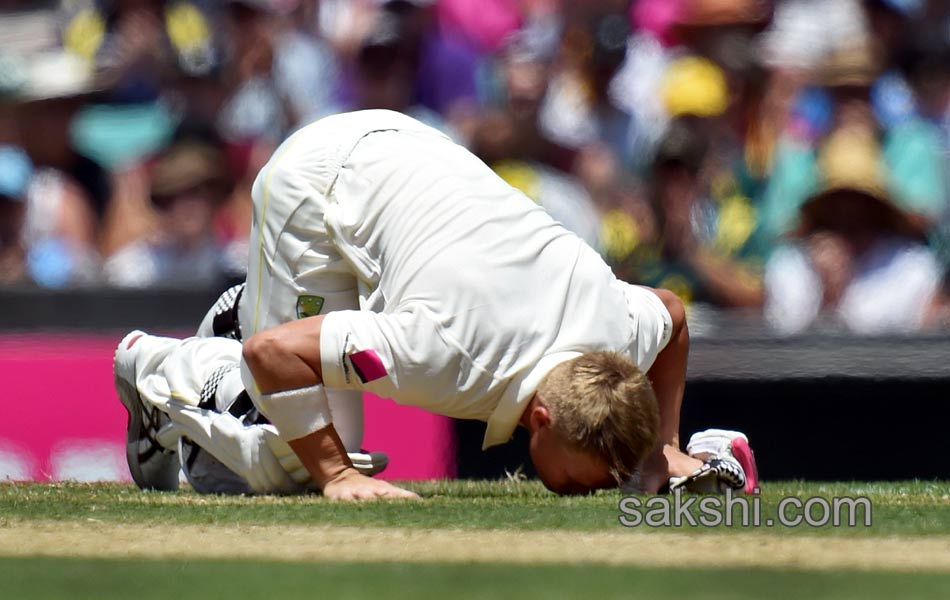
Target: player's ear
<point>540,417</point>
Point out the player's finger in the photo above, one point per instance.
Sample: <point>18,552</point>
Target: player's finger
<point>397,492</point>
<point>408,494</point>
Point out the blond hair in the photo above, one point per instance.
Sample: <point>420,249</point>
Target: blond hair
<point>601,403</point>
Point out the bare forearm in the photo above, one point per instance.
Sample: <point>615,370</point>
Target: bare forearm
<point>668,377</point>
<point>285,363</point>
<point>668,373</point>
<point>285,358</point>
<point>325,458</point>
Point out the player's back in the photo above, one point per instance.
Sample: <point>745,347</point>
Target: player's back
<point>438,231</point>
<point>484,289</point>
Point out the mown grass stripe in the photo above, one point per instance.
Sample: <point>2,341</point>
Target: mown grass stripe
<point>300,543</point>
<point>82,579</point>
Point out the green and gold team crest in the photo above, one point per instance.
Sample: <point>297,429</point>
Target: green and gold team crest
<point>309,306</point>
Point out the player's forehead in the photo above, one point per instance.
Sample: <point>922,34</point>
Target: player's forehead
<point>585,474</point>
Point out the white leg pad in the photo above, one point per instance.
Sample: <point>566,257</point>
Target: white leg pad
<point>242,449</point>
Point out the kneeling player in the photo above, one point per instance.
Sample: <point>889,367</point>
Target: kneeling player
<point>209,428</point>
<point>387,259</point>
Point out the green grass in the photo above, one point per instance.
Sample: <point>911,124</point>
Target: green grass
<point>906,508</point>
<point>46,578</point>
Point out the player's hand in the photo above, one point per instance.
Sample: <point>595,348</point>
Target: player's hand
<point>352,486</point>
<point>665,462</point>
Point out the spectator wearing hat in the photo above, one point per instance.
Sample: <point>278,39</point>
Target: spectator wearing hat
<point>188,181</point>
<point>857,257</point>
<point>69,191</point>
<point>843,97</point>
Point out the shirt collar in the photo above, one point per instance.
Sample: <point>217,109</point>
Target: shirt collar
<point>504,419</point>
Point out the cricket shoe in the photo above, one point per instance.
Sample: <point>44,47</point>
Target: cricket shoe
<point>728,463</point>
<point>151,442</point>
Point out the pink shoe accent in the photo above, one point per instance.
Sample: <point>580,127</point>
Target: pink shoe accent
<point>743,454</point>
<point>131,342</point>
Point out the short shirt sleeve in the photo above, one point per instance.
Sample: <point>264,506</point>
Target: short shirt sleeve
<point>653,325</point>
<point>393,355</point>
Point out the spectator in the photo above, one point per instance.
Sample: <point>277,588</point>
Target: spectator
<point>578,111</point>
<point>693,242</point>
<point>510,127</point>
<point>305,67</point>
<point>386,64</point>
<point>446,78</point>
<point>858,258</point>
<point>188,181</point>
<point>256,110</point>
<point>139,50</point>
<point>69,192</point>
<point>439,70</point>
<point>135,45</point>
<point>911,147</point>
<point>511,142</point>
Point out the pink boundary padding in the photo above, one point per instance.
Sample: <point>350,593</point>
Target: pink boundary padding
<point>420,445</point>
<point>58,392</point>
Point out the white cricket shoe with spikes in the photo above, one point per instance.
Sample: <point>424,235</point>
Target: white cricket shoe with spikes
<point>151,443</point>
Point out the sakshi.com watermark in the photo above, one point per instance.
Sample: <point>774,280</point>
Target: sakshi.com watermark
<point>740,510</point>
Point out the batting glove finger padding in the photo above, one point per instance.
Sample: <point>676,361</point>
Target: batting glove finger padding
<point>715,476</point>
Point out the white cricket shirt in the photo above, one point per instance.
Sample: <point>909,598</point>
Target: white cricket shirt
<point>472,291</point>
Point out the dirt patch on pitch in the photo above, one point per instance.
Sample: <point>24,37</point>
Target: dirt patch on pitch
<point>335,543</point>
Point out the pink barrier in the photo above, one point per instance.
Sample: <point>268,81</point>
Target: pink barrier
<point>62,420</point>
<point>420,445</point>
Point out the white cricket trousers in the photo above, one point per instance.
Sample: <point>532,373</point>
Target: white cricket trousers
<point>194,381</point>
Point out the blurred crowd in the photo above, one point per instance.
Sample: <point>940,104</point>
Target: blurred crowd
<point>788,157</point>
